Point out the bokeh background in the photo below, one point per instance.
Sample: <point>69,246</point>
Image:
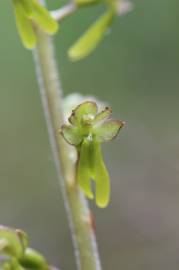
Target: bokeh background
<point>135,69</point>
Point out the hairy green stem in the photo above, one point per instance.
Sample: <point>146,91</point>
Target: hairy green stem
<point>64,11</point>
<point>79,216</point>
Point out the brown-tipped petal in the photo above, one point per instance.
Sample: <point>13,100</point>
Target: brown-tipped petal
<point>108,130</point>
<point>104,115</point>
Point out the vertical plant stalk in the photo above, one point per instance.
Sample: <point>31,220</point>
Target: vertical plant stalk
<point>79,216</point>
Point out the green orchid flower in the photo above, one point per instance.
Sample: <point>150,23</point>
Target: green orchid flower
<point>29,13</point>
<point>86,131</point>
<point>15,253</point>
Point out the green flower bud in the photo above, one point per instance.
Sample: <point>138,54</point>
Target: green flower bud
<point>29,13</point>
<point>33,260</point>
<point>10,243</point>
<point>15,253</point>
<point>86,131</point>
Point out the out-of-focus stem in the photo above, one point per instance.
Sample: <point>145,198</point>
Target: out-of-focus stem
<point>78,213</point>
<point>64,11</point>
<point>123,7</point>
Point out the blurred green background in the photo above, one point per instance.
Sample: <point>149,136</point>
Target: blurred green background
<point>136,70</point>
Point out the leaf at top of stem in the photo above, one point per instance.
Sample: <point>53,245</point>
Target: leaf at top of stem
<point>28,12</point>
<point>44,19</point>
<point>27,6</point>
<point>89,41</point>
<point>24,26</point>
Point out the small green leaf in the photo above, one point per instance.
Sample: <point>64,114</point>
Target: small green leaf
<point>71,134</point>
<point>24,26</point>
<point>89,41</point>
<point>107,130</point>
<point>78,115</point>
<point>83,169</point>
<point>44,19</point>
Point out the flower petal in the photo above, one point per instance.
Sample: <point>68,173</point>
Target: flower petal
<point>107,130</point>
<point>105,114</point>
<point>71,134</point>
